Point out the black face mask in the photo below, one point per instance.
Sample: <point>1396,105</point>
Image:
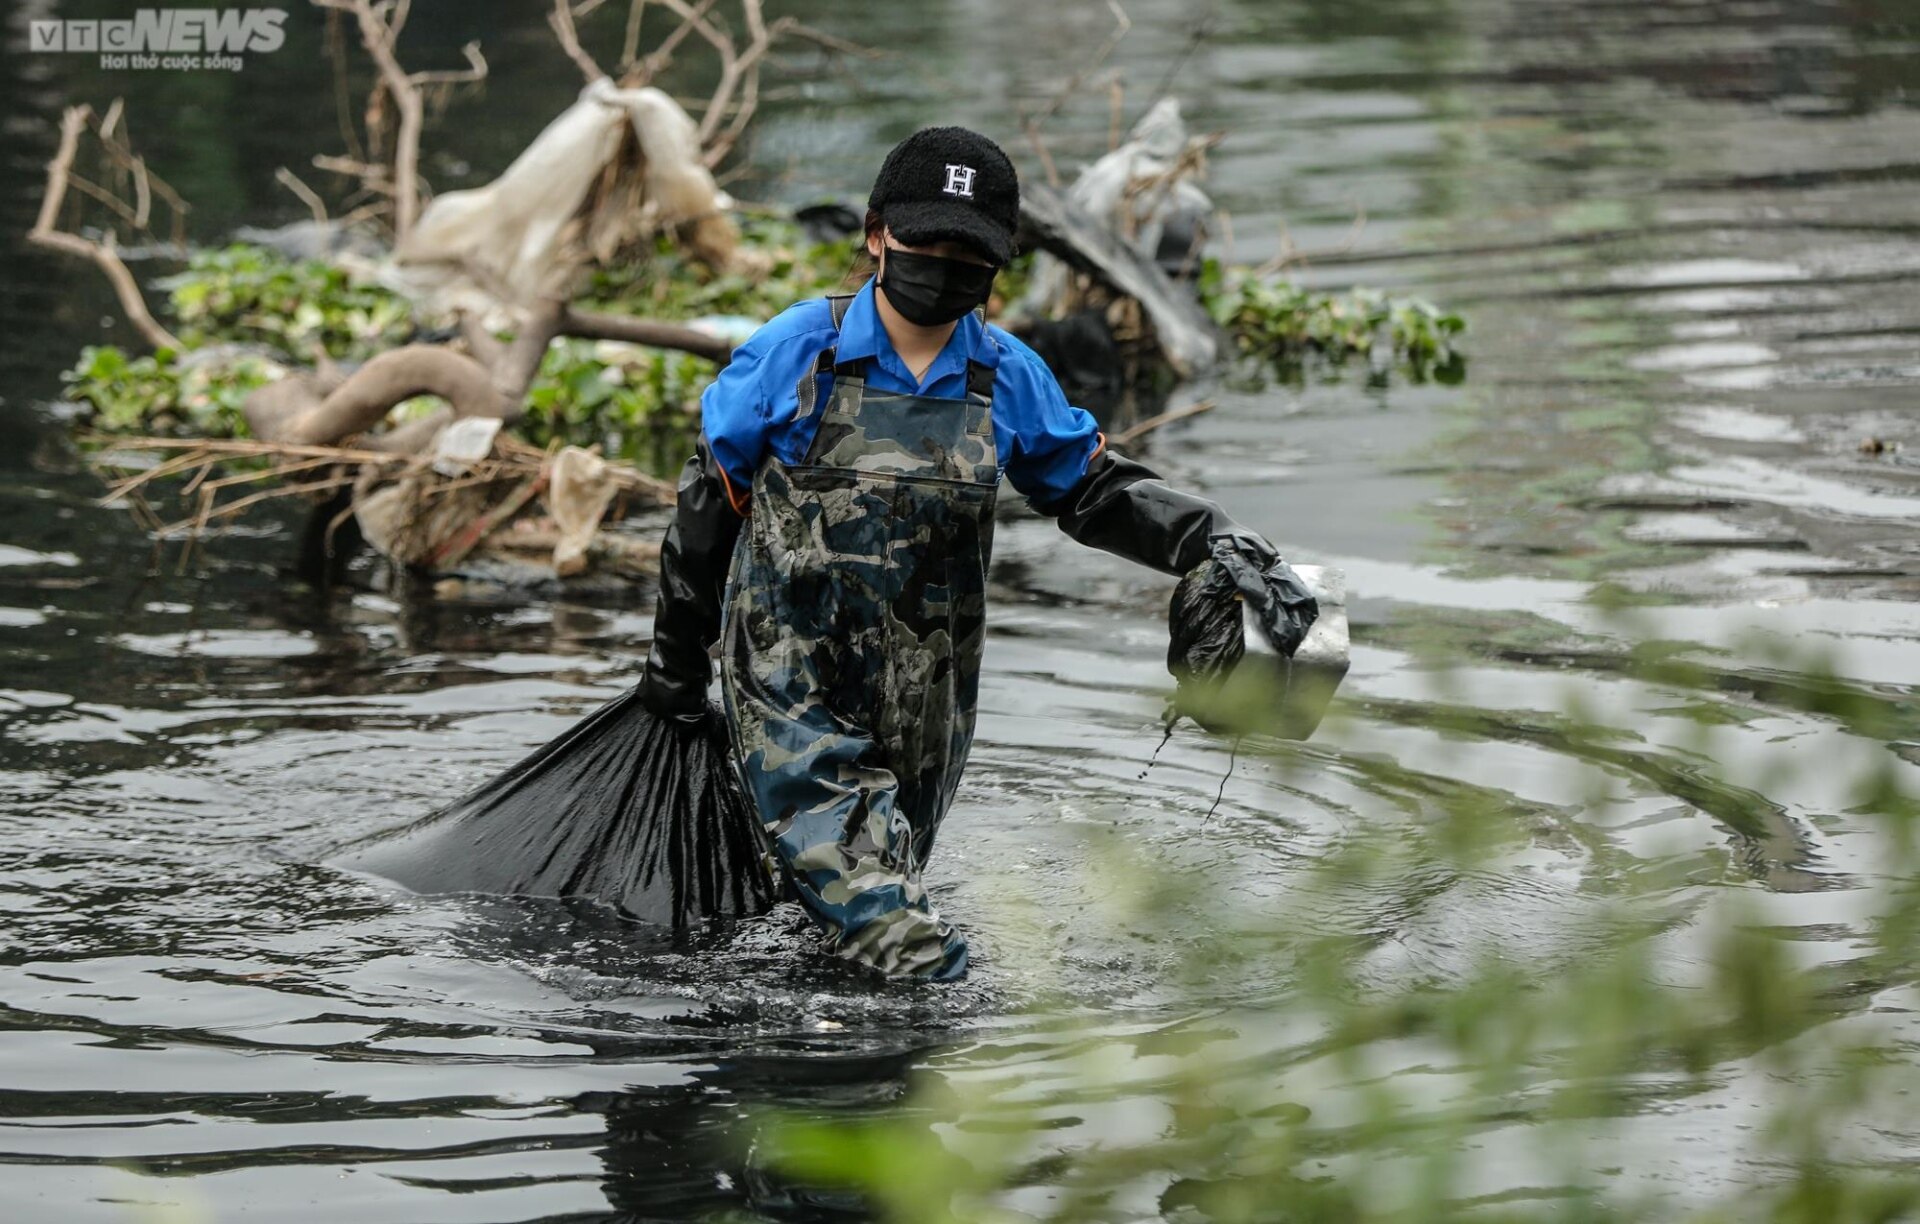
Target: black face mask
<point>929,291</point>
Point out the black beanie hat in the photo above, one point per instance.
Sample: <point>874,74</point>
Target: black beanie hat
<point>948,182</point>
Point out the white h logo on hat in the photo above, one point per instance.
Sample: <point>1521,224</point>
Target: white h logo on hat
<point>959,181</point>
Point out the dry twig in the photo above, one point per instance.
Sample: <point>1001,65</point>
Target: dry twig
<point>725,115</point>
<point>380,26</point>
<point>1136,432</point>
<point>311,198</point>
<point>630,48</point>
<point>645,69</point>
<point>737,96</point>
<point>1290,254</point>
<point>1033,121</point>
<point>511,461</point>
<point>103,252</point>
<point>739,72</point>
<point>562,19</point>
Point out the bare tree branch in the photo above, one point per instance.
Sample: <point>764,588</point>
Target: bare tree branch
<point>476,70</point>
<point>46,232</point>
<point>1134,433</point>
<point>515,370</point>
<point>833,42</point>
<point>1033,121</point>
<point>720,125</point>
<point>377,36</point>
<point>630,48</point>
<point>594,325</point>
<point>380,26</point>
<point>744,78</point>
<point>114,203</point>
<point>337,52</point>
<point>1032,130</point>
<point>304,410</point>
<point>561,19</point>
<point>646,69</point>
<point>308,196</point>
<point>480,342</point>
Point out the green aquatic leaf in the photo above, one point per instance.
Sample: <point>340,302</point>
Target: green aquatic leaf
<point>154,393</point>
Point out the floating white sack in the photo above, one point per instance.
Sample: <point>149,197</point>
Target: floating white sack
<point>527,235</point>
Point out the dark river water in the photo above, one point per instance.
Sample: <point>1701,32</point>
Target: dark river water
<point>1686,238</point>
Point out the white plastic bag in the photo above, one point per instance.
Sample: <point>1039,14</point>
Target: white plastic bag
<point>523,237</point>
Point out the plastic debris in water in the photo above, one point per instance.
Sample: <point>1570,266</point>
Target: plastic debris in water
<point>1232,676</point>
<point>626,808</point>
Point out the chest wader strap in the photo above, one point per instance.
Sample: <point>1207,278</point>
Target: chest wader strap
<point>980,376</point>
<point>807,394</point>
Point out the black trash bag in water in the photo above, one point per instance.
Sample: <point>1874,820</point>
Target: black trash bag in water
<point>1225,682</point>
<point>627,808</point>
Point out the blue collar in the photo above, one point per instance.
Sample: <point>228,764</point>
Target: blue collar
<point>862,335</point>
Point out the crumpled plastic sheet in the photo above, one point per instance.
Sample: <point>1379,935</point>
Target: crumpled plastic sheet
<point>510,240</point>
<point>580,487</point>
<point>1123,190</point>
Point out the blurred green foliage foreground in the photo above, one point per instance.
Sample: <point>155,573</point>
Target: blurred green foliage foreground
<point>1673,1057</point>
<point>242,311</point>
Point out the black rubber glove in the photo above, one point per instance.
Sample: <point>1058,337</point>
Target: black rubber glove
<point>694,558</point>
<point>1123,507</point>
<point>1294,608</point>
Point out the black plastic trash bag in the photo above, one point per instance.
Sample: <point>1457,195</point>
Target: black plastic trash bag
<point>1248,650</point>
<point>626,808</point>
<point>1085,360</point>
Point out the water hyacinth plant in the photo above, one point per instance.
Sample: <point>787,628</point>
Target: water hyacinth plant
<point>670,285</point>
<point>638,403</point>
<point>249,294</point>
<point>1284,325</point>
<point>163,392</point>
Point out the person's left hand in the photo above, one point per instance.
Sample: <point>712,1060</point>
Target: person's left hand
<point>1249,544</point>
<point>1294,600</point>
<point>1294,609</point>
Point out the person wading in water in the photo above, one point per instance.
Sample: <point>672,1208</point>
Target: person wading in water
<point>833,533</point>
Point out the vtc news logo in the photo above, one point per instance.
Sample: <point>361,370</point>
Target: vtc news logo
<point>166,38</point>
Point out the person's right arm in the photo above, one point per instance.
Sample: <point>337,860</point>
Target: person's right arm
<point>698,547</point>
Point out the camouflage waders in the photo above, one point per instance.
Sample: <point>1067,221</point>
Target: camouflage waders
<point>850,656</point>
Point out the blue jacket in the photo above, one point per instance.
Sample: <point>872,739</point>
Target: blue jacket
<point>1044,443</point>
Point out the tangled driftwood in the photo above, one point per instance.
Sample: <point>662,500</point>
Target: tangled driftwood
<point>418,514</point>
